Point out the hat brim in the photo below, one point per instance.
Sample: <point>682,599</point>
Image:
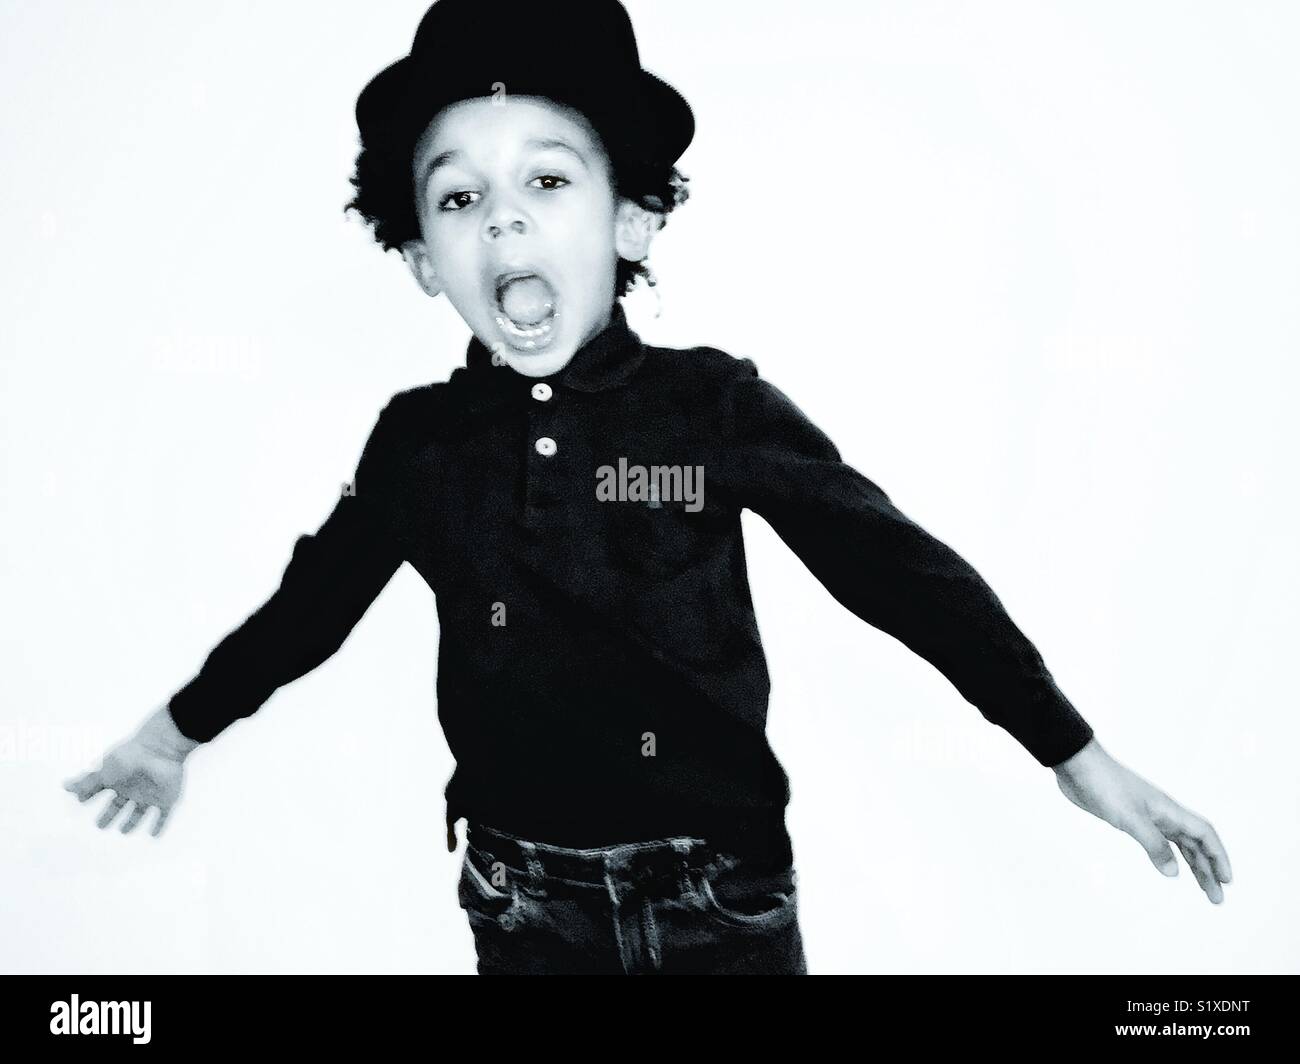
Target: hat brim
<point>675,121</point>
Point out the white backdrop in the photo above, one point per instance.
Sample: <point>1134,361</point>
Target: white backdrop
<point>1031,266</point>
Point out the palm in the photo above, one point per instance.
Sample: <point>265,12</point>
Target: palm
<point>136,775</point>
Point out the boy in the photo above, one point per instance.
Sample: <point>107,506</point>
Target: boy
<point>573,497</point>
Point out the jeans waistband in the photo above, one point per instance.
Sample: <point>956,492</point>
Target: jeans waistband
<point>759,837</point>
<point>632,862</point>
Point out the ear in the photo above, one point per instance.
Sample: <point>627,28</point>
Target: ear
<point>421,265</point>
<point>634,228</point>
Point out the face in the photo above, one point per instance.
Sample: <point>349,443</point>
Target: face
<point>521,228</point>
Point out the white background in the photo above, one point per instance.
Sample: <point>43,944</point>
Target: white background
<point>1033,267</point>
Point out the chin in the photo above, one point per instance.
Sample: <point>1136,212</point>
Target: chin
<point>538,365</point>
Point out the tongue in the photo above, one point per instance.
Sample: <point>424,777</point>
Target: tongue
<point>527,300</point>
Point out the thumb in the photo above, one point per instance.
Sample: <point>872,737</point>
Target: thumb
<point>85,786</point>
<point>1158,849</point>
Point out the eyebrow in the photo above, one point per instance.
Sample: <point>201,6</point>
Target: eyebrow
<point>545,144</point>
<point>535,144</point>
<point>439,160</point>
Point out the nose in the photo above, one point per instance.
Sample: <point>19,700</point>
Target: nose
<point>505,216</point>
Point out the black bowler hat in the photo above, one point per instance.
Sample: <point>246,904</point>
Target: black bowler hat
<point>581,53</point>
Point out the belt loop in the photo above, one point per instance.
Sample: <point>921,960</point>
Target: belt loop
<point>531,862</point>
<point>684,874</point>
<point>683,848</point>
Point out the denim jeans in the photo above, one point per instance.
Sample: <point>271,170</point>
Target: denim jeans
<point>672,906</point>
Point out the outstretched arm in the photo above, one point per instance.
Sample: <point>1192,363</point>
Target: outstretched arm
<point>886,569</point>
<point>332,577</point>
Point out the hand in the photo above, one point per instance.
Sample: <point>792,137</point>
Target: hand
<point>1094,781</point>
<point>146,769</point>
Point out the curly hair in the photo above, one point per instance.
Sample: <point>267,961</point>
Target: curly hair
<point>384,196</point>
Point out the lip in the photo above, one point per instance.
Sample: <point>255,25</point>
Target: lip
<point>524,341</point>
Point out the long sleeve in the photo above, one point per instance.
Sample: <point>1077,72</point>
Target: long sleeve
<point>332,577</point>
<point>887,570</point>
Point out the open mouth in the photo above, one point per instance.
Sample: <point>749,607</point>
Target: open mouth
<point>526,309</point>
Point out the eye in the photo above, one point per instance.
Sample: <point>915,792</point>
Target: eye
<point>551,182</point>
<point>455,201</point>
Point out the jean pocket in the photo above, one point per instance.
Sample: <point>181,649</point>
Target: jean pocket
<point>479,896</point>
<point>741,898</point>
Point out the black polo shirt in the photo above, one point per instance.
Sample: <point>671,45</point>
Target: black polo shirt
<point>600,675</point>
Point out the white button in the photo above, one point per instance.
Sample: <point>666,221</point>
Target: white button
<point>545,446</point>
<point>541,392</point>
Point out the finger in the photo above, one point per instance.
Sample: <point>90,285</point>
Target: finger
<point>134,817</point>
<point>1217,854</point>
<point>163,813</point>
<point>1200,866</point>
<point>111,810</point>
<point>1157,848</point>
<point>85,786</point>
<point>1177,821</point>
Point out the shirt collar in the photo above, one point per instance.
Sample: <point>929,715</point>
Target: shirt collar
<point>607,360</point>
